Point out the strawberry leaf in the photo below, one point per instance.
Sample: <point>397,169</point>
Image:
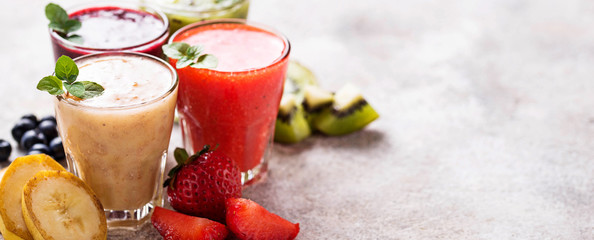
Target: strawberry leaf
<point>204,150</point>
<point>167,183</point>
<point>181,155</point>
<point>182,158</point>
<point>172,173</point>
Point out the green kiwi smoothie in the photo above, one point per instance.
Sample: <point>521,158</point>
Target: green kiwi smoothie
<point>184,12</point>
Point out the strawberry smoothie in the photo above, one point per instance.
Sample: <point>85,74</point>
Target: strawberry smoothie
<point>234,105</point>
<point>117,142</point>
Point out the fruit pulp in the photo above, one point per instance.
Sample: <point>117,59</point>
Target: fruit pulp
<point>182,13</point>
<point>117,142</point>
<point>235,105</point>
<point>114,28</point>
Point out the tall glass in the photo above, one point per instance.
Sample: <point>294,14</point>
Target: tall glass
<point>230,106</point>
<point>182,13</point>
<point>120,148</point>
<point>114,26</point>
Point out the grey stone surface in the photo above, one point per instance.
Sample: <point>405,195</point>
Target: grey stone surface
<point>486,127</point>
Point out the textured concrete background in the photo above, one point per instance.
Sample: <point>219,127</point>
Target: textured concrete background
<point>486,127</point>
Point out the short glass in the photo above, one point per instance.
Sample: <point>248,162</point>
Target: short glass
<point>120,152</point>
<point>151,45</point>
<point>235,110</point>
<point>185,12</point>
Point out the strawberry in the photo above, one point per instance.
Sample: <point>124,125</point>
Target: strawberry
<point>177,226</point>
<point>248,220</point>
<point>200,183</point>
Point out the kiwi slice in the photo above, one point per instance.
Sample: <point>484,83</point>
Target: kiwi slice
<point>349,113</point>
<point>291,125</point>
<point>298,77</point>
<point>315,101</point>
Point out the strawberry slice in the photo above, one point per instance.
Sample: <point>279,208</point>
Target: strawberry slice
<point>248,220</point>
<point>178,226</point>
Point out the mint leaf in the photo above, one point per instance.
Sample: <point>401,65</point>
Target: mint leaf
<point>59,20</point>
<point>206,61</point>
<point>58,27</point>
<point>92,89</point>
<point>175,50</point>
<point>183,62</point>
<point>194,51</point>
<point>187,55</point>
<point>55,13</point>
<point>77,89</point>
<point>75,39</point>
<point>66,74</point>
<point>50,84</point>
<point>66,69</point>
<point>72,25</point>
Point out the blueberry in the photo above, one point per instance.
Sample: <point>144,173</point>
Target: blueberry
<point>40,147</point>
<point>31,152</point>
<point>48,118</point>
<point>30,138</point>
<point>21,127</point>
<point>31,117</point>
<point>48,128</point>
<point>57,148</point>
<point>5,150</point>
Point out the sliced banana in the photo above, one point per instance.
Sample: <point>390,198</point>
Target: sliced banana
<point>18,173</point>
<point>58,205</point>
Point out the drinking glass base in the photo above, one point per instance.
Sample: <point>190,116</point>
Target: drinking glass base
<point>255,174</point>
<point>128,219</point>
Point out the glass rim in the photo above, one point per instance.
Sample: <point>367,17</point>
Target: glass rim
<point>283,55</point>
<point>193,10</point>
<point>172,88</point>
<point>139,6</point>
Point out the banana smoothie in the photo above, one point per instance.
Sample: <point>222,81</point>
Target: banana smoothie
<point>117,142</point>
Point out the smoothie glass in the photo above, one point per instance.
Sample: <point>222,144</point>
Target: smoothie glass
<point>182,13</point>
<point>234,105</point>
<point>114,26</point>
<point>117,143</point>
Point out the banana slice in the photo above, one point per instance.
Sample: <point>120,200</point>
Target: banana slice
<point>18,173</point>
<point>58,205</point>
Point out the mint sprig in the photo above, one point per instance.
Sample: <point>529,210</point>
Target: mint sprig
<point>187,55</point>
<point>60,22</point>
<point>66,73</point>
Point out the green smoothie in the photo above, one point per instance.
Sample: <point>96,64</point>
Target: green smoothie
<point>184,12</point>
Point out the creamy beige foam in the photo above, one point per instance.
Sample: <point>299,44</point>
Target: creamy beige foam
<point>127,80</point>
